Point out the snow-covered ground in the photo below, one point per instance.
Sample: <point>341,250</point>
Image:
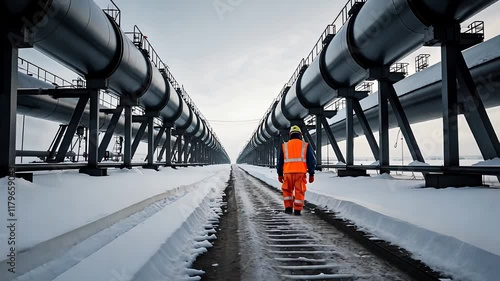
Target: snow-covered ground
<point>60,202</point>
<point>453,230</point>
<point>491,162</point>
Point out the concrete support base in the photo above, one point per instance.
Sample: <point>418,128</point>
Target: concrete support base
<point>438,180</point>
<point>25,176</point>
<point>94,172</point>
<point>351,173</point>
<point>151,167</point>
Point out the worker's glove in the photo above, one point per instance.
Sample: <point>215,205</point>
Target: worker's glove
<point>311,178</point>
<point>280,179</point>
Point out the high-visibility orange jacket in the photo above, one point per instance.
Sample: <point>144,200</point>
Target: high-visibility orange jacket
<point>294,156</point>
<point>295,146</point>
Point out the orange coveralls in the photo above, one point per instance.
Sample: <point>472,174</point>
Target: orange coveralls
<point>294,172</point>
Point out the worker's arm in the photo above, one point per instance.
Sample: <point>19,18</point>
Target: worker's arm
<point>311,160</point>
<point>281,162</point>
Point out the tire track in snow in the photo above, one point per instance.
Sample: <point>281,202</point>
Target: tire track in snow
<point>254,258</point>
<point>312,246</point>
<point>79,252</point>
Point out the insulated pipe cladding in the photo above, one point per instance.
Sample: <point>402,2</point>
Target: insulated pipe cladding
<point>96,48</point>
<point>420,93</point>
<point>382,32</point>
<point>60,110</point>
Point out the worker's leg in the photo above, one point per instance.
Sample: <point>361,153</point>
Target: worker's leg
<point>287,188</point>
<point>300,190</point>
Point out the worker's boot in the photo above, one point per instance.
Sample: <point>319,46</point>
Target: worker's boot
<point>288,210</point>
<point>296,212</point>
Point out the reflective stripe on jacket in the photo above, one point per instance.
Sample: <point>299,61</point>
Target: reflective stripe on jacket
<point>294,152</point>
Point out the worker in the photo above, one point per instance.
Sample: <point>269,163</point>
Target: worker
<point>295,160</point>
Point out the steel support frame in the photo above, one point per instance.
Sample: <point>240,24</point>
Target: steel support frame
<point>367,130</point>
<point>196,153</point>
<point>451,41</point>
<point>71,129</point>
<point>173,155</point>
<point>404,124</point>
<point>199,153</point>
<point>332,139</point>
<point>185,149</point>
<point>267,154</point>
<point>272,153</point>
<point>190,154</point>
<point>387,96</point>
<point>153,144</point>
<point>57,141</point>
<point>93,169</point>
<point>321,123</point>
<point>138,137</point>
<point>180,134</point>
<point>179,148</point>
<point>166,147</point>
<point>110,131</point>
<point>475,113</point>
<point>62,143</point>
<point>349,132</point>
<point>64,138</point>
<point>209,156</point>
<point>93,128</point>
<point>146,121</point>
<point>202,154</point>
<point>449,53</point>
<point>307,136</point>
<point>319,139</point>
<point>127,147</point>
<point>157,141</point>
<point>353,106</point>
<point>193,151</point>
<point>8,105</point>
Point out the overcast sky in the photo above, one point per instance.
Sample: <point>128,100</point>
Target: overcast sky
<point>234,56</point>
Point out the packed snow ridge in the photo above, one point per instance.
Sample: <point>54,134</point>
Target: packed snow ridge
<point>157,243</point>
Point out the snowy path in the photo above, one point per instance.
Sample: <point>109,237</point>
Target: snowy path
<point>453,230</point>
<point>276,246</point>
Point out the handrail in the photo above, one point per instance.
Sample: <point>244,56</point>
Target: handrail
<point>400,67</point>
<point>476,27</point>
<point>40,73</point>
<point>106,98</point>
<point>115,13</point>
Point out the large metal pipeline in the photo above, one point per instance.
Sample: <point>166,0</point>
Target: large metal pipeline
<point>366,40</point>
<point>420,93</point>
<point>96,48</point>
<point>60,110</point>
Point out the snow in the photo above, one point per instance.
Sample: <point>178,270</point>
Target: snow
<point>63,201</point>
<point>454,230</point>
<point>491,162</point>
<point>319,277</point>
<point>418,163</point>
<point>158,243</point>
